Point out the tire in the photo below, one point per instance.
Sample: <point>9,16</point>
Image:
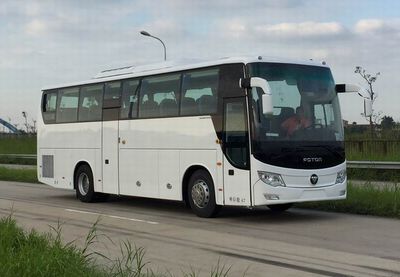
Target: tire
<point>279,208</point>
<point>84,184</point>
<point>201,194</point>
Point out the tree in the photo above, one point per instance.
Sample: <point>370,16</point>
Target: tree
<point>387,123</point>
<point>370,79</point>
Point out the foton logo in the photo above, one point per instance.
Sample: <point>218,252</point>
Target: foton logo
<point>313,160</point>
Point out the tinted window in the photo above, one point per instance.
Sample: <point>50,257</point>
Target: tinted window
<point>130,91</point>
<point>236,143</point>
<point>67,110</point>
<point>49,107</point>
<point>50,102</point>
<point>159,96</point>
<point>112,91</point>
<point>90,103</point>
<point>112,95</point>
<point>199,92</point>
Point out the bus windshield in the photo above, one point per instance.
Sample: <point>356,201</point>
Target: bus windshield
<point>306,111</point>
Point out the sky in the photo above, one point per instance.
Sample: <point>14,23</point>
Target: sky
<point>46,42</point>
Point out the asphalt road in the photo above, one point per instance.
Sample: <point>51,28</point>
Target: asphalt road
<point>258,242</point>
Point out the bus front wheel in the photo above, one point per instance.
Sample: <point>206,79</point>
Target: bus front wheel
<point>84,184</point>
<point>201,194</point>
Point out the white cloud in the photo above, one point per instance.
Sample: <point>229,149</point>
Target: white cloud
<point>302,29</point>
<point>369,25</point>
<point>36,27</point>
<point>378,27</point>
<point>238,28</point>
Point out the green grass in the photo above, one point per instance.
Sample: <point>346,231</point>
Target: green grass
<point>372,155</point>
<point>18,145</point>
<point>363,199</point>
<point>32,254</point>
<point>13,160</point>
<point>371,174</point>
<point>395,157</point>
<point>18,175</point>
<point>383,148</point>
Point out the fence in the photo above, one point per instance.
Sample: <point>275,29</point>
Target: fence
<point>373,150</point>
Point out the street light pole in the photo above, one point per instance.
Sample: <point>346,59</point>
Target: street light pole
<point>144,33</point>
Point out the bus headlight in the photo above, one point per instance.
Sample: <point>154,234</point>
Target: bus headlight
<point>271,179</point>
<point>341,176</point>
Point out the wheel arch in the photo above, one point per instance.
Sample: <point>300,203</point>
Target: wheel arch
<point>188,173</point>
<point>79,164</point>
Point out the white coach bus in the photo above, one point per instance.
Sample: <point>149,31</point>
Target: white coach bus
<point>236,131</point>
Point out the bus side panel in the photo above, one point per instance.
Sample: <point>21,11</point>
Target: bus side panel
<point>138,172</point>
<point>169,180</point>
<point>63,164</point>
<point>157,152</point>
<point>62,146</point>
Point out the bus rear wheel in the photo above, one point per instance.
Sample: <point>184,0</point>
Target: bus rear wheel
<point>84,185</point>
<point>201,194</point>
<point>279,208</point>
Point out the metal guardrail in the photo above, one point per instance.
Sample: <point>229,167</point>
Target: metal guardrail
<point>19,156</point>
<point>373,164</point>
<point>350,164</point>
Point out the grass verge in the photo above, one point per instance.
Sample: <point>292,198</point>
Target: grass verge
<point>18,145</point>
<point>34,254</point>
<point>18,175</point>
<point>13,160</point>
<point>363,199</point>
<point>372,174</point>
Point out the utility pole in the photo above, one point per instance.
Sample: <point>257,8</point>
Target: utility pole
<point>25,115</point>
<point>144,33</point>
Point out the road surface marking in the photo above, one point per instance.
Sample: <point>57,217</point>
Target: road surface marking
<point>112,216</point>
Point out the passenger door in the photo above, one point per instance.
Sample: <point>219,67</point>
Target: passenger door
<point>236,150</point>
<point>110,137</point>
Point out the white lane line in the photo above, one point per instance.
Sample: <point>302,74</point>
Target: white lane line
<point>113,216</point>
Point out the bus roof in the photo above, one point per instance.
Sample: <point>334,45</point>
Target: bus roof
<point>131,71</point>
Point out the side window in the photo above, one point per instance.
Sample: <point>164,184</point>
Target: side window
<point>159,96</point>
<point>49,106</point>
<point>112,94</point>
<point>130,91</point>
<point>67,110</point>
<point>235,133</point>
<point>199,92</point>
<point>91,103</point>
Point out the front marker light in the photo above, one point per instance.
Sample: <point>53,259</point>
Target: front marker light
<point>341,176</point>
<point>271,179</point>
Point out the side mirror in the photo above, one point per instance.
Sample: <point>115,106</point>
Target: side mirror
<point>367,107</point>
<point>267,107</point>
<point>266,99</point>
<point>346,88</point>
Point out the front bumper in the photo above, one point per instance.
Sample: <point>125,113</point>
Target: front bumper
<point>268,195</point>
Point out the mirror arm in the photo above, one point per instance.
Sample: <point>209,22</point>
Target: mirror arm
<point>343,88</point>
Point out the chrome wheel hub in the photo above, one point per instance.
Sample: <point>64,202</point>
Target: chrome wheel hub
<point>83,184</point>
<point>200,194</point>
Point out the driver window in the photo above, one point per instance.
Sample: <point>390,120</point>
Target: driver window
<point>236,136</point>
